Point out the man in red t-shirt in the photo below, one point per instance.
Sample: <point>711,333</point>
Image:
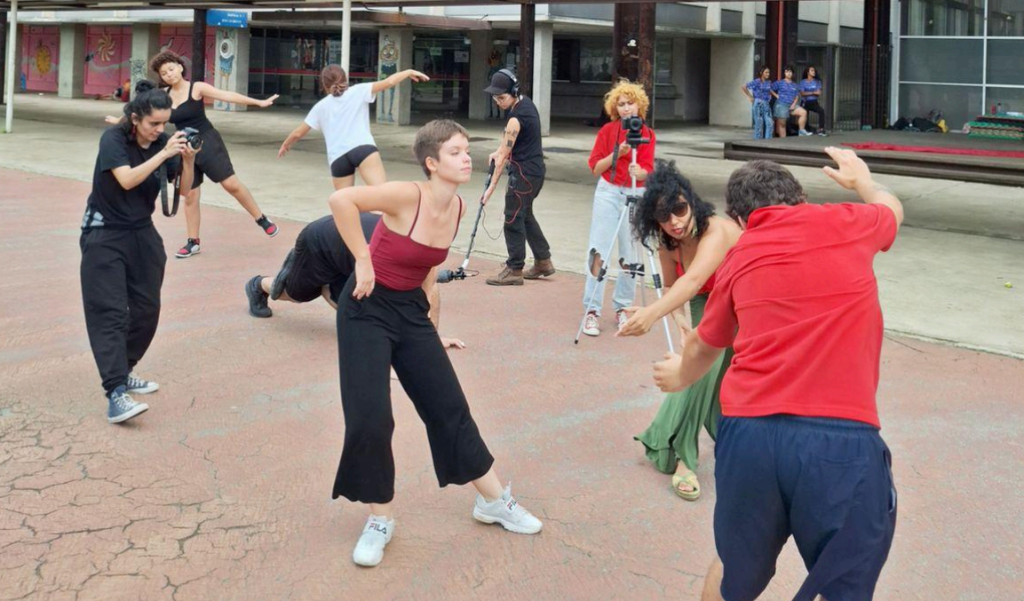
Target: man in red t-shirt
<point>798,450</point>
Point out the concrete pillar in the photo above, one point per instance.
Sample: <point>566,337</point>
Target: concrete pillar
<point>731,59</point>
<point>145,45</point>
<point>481,44</point>
<point>394,106</point>
<point>3,53</point>
<point>71,69</point>
<point>749,22</point>
<point>875,81</point>
<point>833,22</point>
<point>714,17</point>
<point>198,72</point>
<point>524,70</point>
<point>780,34</point>
<point>543,61</point>
<point>231,71</point>
<point>679,76</point>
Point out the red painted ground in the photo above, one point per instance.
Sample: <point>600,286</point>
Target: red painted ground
<point>222,490</point>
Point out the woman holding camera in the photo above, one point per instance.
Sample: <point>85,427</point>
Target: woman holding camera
<point>189,110</point>
<point>693,243</point>
<point>123,256</point>
<point>622,103</point>
<point>343,115</point>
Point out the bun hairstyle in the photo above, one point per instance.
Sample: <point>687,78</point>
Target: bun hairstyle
<point>146,99</point>
<point>334,80</point>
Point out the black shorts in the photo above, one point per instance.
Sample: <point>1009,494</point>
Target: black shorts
<point>346,164</point>
<point>826,482</point>
<point>213,160</point>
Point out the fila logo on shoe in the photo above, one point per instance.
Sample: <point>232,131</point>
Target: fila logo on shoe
<point>511,505</point>
<point>383,529</point>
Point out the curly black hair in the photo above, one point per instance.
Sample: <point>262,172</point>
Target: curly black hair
<point>666,189</point>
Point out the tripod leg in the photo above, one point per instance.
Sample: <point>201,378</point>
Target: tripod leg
<point>656,276</point>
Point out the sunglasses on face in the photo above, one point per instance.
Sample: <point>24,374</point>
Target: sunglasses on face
<point>679,211</point>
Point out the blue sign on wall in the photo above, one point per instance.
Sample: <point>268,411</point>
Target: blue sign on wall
<point>227,18</point>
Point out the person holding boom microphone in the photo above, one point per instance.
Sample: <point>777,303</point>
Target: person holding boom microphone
<point>123,256</point>
<point>521,148</point>
<point>382,321</point>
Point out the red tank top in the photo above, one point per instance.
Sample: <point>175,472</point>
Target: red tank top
<point>708,285</point>
<point>401,263</point>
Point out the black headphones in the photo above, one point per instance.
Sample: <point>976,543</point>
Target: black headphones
<point>514,90</point>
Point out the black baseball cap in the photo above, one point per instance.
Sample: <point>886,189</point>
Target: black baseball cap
<point>501,83</point>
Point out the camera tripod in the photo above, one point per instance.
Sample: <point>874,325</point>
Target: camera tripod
<point>597,263</point>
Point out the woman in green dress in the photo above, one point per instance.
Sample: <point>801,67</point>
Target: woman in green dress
<point>692,242</point>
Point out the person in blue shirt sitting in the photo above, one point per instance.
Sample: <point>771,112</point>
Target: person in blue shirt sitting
<point>787,102</point>
<point>810,91</point>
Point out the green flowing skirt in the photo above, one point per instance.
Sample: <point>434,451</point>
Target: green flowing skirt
<point>673,434</point>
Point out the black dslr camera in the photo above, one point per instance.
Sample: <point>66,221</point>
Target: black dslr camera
<point>192,137</point>
<point>634,127</point>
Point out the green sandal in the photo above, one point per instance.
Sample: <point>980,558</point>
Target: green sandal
<point>690,479</point>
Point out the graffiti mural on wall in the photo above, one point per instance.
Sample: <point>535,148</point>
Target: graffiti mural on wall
<point>107,58</point>
<point>40,59</point>
<point>227,46</point>
<point>388,67</point>
<point>179,41</point>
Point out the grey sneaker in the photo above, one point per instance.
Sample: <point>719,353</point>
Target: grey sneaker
<point>137,385</point>
<point>376,535</point>
<point>121,406</point>
<point>507,512</point>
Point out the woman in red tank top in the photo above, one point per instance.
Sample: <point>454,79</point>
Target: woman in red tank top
<point>383,321</point>
<point>693,243</point>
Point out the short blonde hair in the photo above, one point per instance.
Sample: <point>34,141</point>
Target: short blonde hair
<point>633,91</point>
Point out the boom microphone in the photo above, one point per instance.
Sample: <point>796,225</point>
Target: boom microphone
<point>446,275</point>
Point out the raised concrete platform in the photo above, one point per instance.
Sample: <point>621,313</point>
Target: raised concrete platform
<point>809,151</point>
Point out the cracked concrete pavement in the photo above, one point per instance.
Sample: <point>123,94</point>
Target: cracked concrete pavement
<point>222,489</point>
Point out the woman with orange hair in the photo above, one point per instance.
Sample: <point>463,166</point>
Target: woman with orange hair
<point>623,101</point>
<point>343,115</point>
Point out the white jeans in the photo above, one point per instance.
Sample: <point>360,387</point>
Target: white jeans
<point>608,203</point>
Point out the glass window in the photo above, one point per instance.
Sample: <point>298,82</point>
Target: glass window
<point>959,104</point>
<point>562,61</point>
<point>1007,100</point>
<point>663,61</point>
<point>596,59</point>
<point>941,60</point>
<point>943,17</point>
<point>1006,62</point>
<point>1006,18</point>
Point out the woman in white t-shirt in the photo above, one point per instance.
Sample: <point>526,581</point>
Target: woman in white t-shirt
<point>343,115</point>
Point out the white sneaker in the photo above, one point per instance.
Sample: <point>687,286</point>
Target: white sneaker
<point>804,132</point>
<point>376,535</point>
<point>507,512</point>
<point>590,325</point>
<point>137,385</point>
<point>621,318</point>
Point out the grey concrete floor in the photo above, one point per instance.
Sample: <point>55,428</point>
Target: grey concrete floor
<point>945,278</point>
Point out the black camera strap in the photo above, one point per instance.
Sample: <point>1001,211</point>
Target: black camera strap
<point>169,211</point>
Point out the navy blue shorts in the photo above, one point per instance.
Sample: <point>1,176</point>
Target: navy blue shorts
<point>826,482</point>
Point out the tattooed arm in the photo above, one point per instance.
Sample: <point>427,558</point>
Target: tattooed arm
<point>502,154</point>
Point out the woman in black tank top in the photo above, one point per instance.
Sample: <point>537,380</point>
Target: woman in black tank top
<point>189,110</point>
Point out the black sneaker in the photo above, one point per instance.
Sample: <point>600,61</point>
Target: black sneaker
<point>191,248</point>
<point>257,298</point>
<point>268,226</point>
<point>282,276</point>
